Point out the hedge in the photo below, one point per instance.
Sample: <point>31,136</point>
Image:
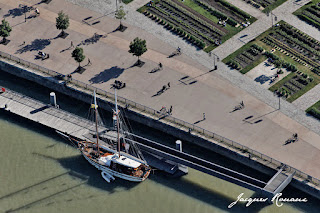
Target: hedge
<point>315,112</point>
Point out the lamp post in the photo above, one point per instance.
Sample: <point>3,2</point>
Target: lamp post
<point>215,67</point>
<point>272,16</point>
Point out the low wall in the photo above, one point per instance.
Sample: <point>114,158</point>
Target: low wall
<point>60,86</point>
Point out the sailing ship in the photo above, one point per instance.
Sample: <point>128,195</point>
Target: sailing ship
<point>113,159</point>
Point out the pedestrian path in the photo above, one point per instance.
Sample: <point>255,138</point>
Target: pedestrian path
<point>309,98</point>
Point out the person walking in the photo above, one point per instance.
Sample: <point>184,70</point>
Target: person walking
<point>71,46</point>
<point>170,111</point>
<point>168,85</point>
<point>204,116</point>
<point>89,62</point>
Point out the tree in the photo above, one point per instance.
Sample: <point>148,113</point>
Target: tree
<point>62,21</point>
<point>138,47</point>
<point>5,29</point>
<point>120,14</point>
<point>78,55</point>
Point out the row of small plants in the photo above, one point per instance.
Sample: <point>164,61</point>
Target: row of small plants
<point>180,24</point>
<point>191,38</point>
<point>310,14</point>
<point>247,57</point>
<point>216,13</point>
<point>185,19</point>
<point>234,9</point>
<point>298,42</point>
<point>295,84</point>
<point>290,30</point>
<point>184,13</point>
<point>314,110</point>
<point>271,41</point>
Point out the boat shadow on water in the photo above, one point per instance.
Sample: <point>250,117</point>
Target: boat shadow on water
<point>78,167</point>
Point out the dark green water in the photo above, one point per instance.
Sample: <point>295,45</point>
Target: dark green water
<point>35,174</point>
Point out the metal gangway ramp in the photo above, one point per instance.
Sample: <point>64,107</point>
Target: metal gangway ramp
<point>275,185</point>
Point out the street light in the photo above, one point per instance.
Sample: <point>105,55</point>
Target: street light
<point>214,60</point>
<point>272,15</point>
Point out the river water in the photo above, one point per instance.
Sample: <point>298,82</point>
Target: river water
<point>40,172</point>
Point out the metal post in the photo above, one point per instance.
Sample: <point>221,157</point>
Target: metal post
<point>25,13</point>
<point>116,5</point>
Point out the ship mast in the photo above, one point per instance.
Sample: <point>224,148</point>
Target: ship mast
<point>96,114</point>
<point>118,125</point>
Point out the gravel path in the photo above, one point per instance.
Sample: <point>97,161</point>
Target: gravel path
<point>134,18</point>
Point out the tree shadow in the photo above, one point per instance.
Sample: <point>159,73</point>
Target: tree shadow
<point>14,12</point>
<point>94,39</point>
<point>106,75</point>
<point>262,79</point>
<point>36,45</point>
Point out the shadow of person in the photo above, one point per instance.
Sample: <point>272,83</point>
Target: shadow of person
<point>36,45</point>
<point>94,39</point>
<point>106,75</point>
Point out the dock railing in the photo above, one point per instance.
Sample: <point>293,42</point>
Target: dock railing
<point>178,123</point>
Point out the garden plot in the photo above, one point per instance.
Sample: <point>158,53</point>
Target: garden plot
<point>246,58</point>
<point>297,44</point>
<point>204,28</point>
<point>287,49</point>
<point>310,13</point>
<point>265,5</point>
<point>265,74</point>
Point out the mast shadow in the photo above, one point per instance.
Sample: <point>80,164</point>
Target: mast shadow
<point>79,167</point>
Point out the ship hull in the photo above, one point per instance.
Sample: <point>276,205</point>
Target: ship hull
<point>112,172</point>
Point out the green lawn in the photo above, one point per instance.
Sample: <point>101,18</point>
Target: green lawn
<point>272,6</point>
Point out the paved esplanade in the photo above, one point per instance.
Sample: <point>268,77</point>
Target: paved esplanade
<point>211,94</point>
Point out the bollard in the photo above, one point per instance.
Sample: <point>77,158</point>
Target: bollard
<point>182,169</point>
<point>179,145</point>
<point>53,100</point>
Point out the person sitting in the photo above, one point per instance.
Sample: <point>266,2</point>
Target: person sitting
<point>160,65</point>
